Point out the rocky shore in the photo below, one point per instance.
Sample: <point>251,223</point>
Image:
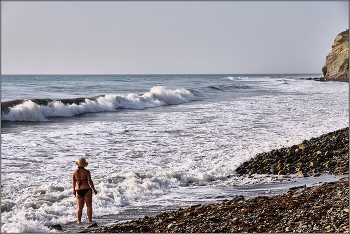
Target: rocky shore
<point>328,153</point>
<point>343,78</point>
<point>320,209</point>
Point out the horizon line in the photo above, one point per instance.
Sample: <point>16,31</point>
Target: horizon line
<point>19,74</point>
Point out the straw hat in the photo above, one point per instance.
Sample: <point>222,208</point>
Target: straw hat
<point>82,162</point>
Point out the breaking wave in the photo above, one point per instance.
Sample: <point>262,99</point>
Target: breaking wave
<point>42,109</point>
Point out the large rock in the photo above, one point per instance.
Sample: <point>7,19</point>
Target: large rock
<point>337,62</point>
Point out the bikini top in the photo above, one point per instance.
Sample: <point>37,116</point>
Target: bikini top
<point>80,181</point>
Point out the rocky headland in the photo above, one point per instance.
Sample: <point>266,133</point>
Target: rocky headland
<point>318,209</point>
<point>337,62</point>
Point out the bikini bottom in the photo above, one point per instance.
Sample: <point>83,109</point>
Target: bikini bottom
<point>83,192</point>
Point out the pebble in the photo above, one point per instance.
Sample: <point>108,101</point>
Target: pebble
<point>56,227</point>
<point>91,225</point>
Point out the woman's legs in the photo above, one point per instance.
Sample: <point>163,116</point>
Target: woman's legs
<point>80,201</point>
<point>88,200</point>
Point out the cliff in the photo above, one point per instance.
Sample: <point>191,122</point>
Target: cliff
<point>337,62</point>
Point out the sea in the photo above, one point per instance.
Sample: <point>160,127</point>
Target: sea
<point>152,141</point>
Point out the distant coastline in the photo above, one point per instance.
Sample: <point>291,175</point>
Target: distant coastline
<point>344,78</point>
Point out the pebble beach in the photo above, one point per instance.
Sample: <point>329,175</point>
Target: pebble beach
<point>319,210</point>
<point>322,208</point>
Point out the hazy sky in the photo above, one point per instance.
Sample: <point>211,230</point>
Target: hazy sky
<point>115,37</point>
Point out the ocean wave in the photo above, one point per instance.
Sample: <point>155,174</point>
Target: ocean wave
<point>42,109</point>
<point>231,78</point>
<point>228,87</point>
<point>237,78</point>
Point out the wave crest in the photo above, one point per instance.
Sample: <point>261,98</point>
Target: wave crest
<point>42,109</point>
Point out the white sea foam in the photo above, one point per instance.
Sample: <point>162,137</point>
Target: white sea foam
<point>27,111</point>
<point>230,78</point>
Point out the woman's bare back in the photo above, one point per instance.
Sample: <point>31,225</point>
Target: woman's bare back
<point>83,177</point>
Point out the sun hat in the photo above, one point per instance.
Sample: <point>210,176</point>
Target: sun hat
<point>82,162</point>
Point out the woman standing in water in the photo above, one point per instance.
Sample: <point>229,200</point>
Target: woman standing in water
<point>82,188</point>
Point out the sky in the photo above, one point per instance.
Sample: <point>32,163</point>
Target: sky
<point>163,37</point>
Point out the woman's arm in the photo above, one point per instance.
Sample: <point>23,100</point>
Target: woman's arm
<point>73,183</point>
<point>91,183</point>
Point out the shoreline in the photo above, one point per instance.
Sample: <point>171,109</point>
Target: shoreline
<point>321,209</point>
<point>277,186</point>
<point>328,153</point>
